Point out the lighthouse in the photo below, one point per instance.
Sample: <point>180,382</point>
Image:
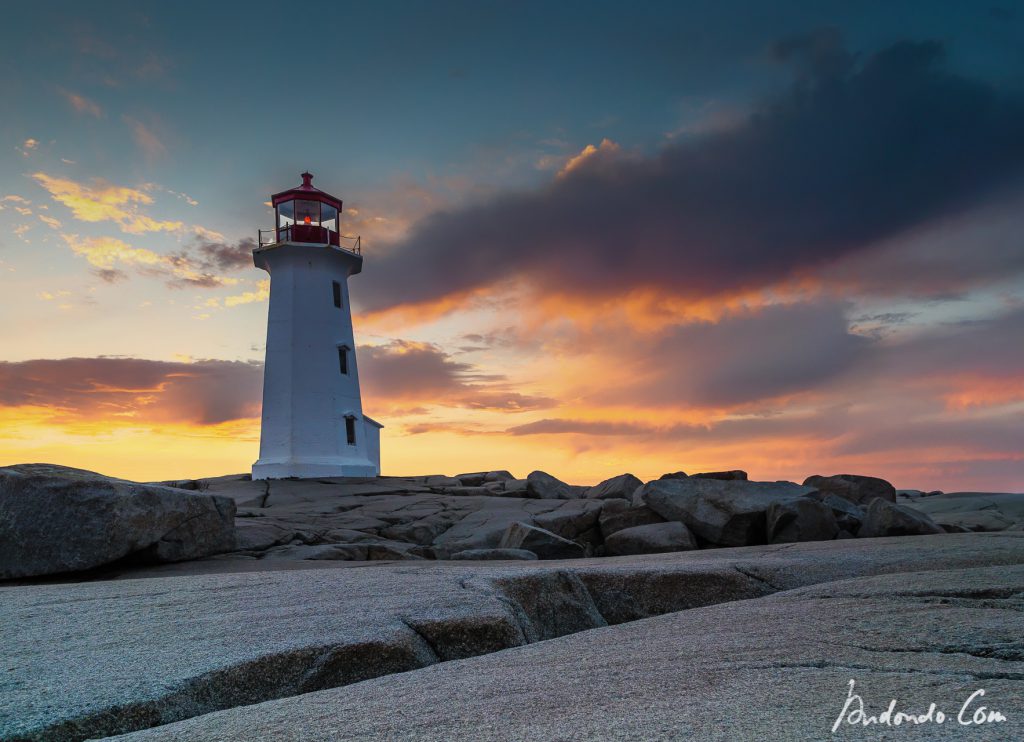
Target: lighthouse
<point>313,423</point>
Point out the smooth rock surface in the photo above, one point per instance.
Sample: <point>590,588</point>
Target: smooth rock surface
<point>975,511</point>
<point>774,668</point>
<point>54,519</point>
<point>94,658</point>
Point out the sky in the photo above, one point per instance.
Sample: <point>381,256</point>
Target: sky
<point>598,237</point>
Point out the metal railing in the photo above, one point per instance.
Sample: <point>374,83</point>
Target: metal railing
<point>267,237</point>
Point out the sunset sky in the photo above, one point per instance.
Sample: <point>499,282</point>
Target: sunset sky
<point>786,237</point>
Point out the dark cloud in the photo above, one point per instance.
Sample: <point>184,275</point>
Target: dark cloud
<point>404,370</point>
<point>223,256</point>
<point>110,275</point>
<point>818,54</point>
<point>853,153</point>
<point>204,392</point>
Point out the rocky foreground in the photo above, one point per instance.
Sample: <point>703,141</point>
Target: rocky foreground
<point>704,607</point>
<point>57,520</point>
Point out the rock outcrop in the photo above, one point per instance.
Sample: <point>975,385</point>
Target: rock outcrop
<point>54,519</point>
<point>721,512</point>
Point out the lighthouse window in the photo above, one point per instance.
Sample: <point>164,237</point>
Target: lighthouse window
<point>286,214</point>
<point>337,293</point>
<point>350,430</point>
<point>329,217</point>
<point>343,359</point>
<point>307,212</point>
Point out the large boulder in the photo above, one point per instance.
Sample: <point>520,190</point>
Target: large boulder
<point>544,544</point>
<point>884,518</point>
<point>721,512</point>
<point>735,475</point>
<point>54,519</point>
<point>858,489</point>
<point>800,519</point>
<point>654,538</point>
<point>617,515</point>
<point>620,487</point>
<point>543,486</point>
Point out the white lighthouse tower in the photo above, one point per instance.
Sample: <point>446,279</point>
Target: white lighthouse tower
<point>313,422</point>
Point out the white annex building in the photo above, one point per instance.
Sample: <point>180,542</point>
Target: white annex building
<point>313,422</point>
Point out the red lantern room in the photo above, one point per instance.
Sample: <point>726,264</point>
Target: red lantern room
<point>306,214</point>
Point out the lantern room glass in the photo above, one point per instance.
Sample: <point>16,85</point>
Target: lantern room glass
<point>306,220</point>
<point>329,217</point>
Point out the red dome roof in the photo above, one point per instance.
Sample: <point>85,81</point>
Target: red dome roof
<point>306,191</point>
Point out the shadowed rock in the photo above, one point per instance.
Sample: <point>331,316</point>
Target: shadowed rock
<point>857,489</point>
<point>736,475</point>
<point>848,516</point>
<point>543,486</point>
<point>544,544</point>
<point>477,479</point>
<point>800,519</point>
<point>617,515</point>
<point>674,475</point>
<point>621,487</point>
<point>654,538</point>
<point>884,518</point>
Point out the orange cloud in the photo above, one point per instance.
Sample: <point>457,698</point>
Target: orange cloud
<point>606,147</point>
<point>108,253</point>
<point>973,390</point>
<point>262,293</point>
<point>103,201</point>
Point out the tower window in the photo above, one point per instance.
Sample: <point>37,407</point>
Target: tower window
<point>337,293</point>
<point>343,359</point>
<point>350,430</point>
